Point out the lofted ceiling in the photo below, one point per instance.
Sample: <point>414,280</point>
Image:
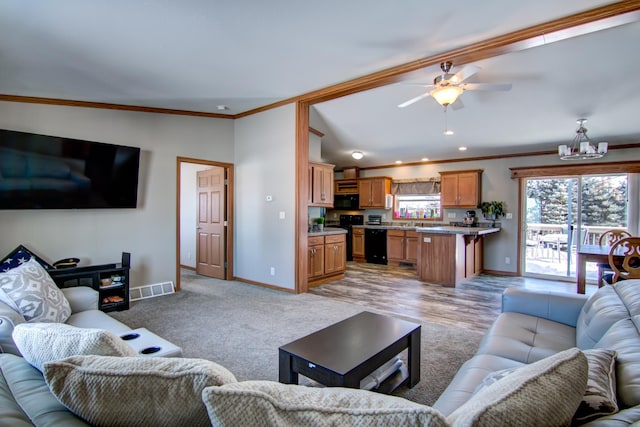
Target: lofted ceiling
<point>199,55</point>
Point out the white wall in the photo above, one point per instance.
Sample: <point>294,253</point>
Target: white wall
<point>188,212</point>
<point>265,159</point>
<point>496,185</point>
<point>99,236</point>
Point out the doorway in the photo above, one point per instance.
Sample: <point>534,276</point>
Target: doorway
<point>204,223</point>
<point>563,213</point>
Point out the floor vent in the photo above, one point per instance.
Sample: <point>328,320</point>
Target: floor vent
<point>150,291</point>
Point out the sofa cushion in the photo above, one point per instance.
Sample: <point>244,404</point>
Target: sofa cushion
<point>267,403</point>
<point>624,338</point>
<point>155,391</point>
<point>526,338</point>
<point>25,399</point>
<point>600,397</point>
<point>42,342</point>
<point>602,309</point>
<point>30,289</point>
<point>546,392</point>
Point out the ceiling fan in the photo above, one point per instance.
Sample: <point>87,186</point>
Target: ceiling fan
<point>446,88</point>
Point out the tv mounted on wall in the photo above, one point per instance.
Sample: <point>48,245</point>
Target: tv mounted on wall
<point>48,172</point>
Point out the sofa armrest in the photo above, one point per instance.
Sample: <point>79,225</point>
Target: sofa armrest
<point>559,307</point>
<point>81,298</point>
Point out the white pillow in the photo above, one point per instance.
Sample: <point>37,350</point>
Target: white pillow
<point>36,296</point>
<point>546,392</point>
<point>143,391</point>
<point>42,342</point>
<point>268,403</point>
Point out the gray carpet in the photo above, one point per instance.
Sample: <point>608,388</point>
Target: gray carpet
<point>241,326</point>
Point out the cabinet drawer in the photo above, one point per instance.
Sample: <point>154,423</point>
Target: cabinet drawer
<point>358,231</point>
<point>398,233</point>
<point>335,238</point>
<point>317,240</point>
<point>410,233</point>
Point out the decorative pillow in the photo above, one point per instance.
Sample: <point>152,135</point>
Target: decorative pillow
<point>600,398</point>
<point>153,391</point>
<point>42,342</point>
<point>546,392</point>
<point>34,292</point>
<point>268,403</point>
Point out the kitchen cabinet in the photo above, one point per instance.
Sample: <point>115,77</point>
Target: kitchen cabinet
<point>346,186</point>
<point>358,245</point>
<point>448,259</point>
<point>402,247</point>
<point>320,184</point>
<point>373,192</point>
<point>327,258</point>
<point>460,189</point>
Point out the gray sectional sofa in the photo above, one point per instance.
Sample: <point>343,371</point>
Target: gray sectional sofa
<point>533,328</point>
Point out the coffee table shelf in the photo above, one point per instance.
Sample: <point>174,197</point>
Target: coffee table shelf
<point>341,355</point>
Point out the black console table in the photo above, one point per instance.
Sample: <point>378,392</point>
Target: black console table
<point>110,280</point>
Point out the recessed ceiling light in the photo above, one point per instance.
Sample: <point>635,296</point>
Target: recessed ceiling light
<point>425,159</point>
<point>448,132</point>
<point>462,148</point>
<point>398,161</point>
<point>357,155</point>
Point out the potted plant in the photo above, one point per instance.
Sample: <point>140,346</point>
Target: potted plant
<point>492,210</point>
<point>320,222</point>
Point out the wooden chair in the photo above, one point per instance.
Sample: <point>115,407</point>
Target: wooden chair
<point>629,268</point>
<point>609,238</point>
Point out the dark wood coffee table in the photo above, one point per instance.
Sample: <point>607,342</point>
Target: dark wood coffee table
<point>341,355</point>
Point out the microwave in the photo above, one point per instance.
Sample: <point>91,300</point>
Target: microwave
<point>346,201</point>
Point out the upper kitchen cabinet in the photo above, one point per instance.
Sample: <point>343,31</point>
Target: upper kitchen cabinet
<point>373,192</point>
<point>321,184</point>
<point>461,189</point>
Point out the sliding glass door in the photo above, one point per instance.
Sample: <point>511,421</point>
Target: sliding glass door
<point>563,213</point>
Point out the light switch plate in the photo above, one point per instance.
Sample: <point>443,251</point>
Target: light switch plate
<point>281,214</point>
<point>509,215</point>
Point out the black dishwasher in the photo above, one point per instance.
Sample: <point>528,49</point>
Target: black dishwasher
<point>375,245</point>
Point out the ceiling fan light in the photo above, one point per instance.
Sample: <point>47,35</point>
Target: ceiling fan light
<point>446,95</point>
<point>357,155</point>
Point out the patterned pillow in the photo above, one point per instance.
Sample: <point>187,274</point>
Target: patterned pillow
<point>600,398</point>
<point>30,288</point>
<point>142,391</point>
<point>546,392</point>
<point>65,340</point>
<point>268,403</point>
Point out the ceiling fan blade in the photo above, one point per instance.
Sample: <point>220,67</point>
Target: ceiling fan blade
<point>413,100</point>
<point>487,86</point>
<point>464,73</point>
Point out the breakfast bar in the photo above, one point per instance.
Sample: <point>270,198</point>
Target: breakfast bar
<point>448,255</point>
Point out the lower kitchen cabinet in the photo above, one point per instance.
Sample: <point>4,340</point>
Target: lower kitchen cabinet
<point>402,247</point>
<point>357,251</point>
<point>448,259</point>
<point>327,258</point>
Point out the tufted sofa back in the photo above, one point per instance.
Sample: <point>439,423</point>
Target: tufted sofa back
<point>611,319</point>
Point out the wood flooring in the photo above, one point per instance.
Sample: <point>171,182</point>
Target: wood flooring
<point>473,305</point>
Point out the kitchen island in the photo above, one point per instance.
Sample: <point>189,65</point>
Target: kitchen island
<point>447,255</point>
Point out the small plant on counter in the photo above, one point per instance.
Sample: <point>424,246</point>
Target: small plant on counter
<point>320,222</point>
<point>492,210</point>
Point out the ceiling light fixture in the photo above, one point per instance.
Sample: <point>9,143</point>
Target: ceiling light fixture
<point>446,95</point>
<point>462,148</point>
<point>581,148</point>
<point>357,155</point>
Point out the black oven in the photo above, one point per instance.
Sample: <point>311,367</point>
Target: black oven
<point>346,201</point>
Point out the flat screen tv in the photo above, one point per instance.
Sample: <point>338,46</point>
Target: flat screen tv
<point>49,172</point>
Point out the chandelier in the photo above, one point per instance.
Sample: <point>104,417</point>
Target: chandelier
<point>581,148</point>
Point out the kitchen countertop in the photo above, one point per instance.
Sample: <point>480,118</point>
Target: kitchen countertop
<point>469,231</point>
<point>328,231</point>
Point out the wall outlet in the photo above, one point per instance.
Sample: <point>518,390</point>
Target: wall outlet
<point>384,217</point>
<point>273,271</point>
<point>509,215</point>
<point>507,260</point>
<point>451,215</point>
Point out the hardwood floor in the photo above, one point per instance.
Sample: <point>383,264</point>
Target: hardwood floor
<point>473,305</point>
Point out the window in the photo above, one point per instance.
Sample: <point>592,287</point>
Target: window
<point>425,206</point>
<point>416,198</point>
